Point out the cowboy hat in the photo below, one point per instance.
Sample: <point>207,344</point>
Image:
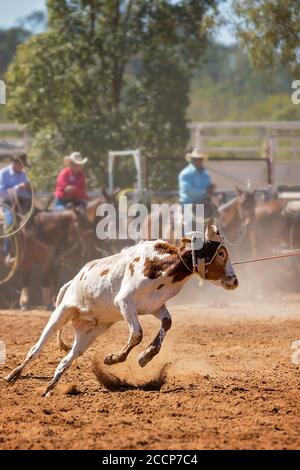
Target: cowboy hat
<point>21,158</point>
<point>196,154</point>
<point>76,158</point>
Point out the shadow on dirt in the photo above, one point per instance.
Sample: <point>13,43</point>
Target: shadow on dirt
<point>114,384</point>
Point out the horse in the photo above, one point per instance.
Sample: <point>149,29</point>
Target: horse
<point>278,222</point>
<point>237,222</point>
<point>45,237</point>
<point>51,239</point>
<point>270,220</point>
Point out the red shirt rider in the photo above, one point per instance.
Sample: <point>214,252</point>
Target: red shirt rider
<point>70,183</point>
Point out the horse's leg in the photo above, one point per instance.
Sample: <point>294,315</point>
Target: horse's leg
<point>154,348</point>
<point>46,290</point>
<point>48,281</point>
<point>35,253</point>
<point>253,241</point>
<point>24,296</point>
<point>47,297</point>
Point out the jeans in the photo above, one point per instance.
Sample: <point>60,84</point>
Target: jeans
<point>62,204</point>
<point>8,217</point>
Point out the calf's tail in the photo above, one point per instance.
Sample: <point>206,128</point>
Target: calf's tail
<point>60,343</point>
<point>62,292</point>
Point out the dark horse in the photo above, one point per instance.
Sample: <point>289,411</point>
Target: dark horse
<point>278,232</point>
<point>57,239</point>
<point>237,222</point>
<point>45,237</point>
<point>271,223</point>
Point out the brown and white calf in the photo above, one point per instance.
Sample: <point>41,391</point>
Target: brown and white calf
<point>137,281</point>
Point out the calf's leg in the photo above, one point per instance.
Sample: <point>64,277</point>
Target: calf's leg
<point>58,318</point>
<point>154,348</point>
<point>129,312</point>
<point>85,335</point>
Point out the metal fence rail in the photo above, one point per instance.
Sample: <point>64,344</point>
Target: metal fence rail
<point>276,139</point>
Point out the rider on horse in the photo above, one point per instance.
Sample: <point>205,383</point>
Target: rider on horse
<point>15,193</point>
<point>70,184</point>
<point>195,185</point>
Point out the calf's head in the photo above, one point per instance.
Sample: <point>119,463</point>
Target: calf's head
<point>212,260</point>
<point>218,267</point>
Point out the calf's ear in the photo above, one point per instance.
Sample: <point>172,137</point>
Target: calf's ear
<point>185,241</point>
<point>239,190</point>
<point>210,229</point>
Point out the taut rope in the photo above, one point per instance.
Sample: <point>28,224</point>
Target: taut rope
<point>255,260</point>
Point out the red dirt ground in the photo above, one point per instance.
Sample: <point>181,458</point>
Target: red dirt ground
<point>230,385</point>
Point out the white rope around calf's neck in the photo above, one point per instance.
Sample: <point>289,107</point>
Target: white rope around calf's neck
<point>194,264</point>
<point>199,265</point>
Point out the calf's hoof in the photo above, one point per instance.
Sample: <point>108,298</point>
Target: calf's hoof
<point>24,307</point>
<point>111,359</point>
<point>49,390</point>
<point>147,355</point>
<point>13,376</point>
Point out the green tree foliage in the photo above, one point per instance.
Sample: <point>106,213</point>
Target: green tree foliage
<point>270,31</point>
<point>109,75</point>
<point>34,22</point>
<point>157,105</point>
<point>9,41</point>
<point>11,38</point>
<point>226,87</point>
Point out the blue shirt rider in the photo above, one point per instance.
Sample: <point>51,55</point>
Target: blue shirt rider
<point>194,180</point>
<point>195,187</point>
<point>13,177</point>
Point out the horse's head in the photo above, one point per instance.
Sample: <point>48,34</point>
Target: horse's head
<point>109,197</point>
<point>104,197</point>
<point>247,203</point>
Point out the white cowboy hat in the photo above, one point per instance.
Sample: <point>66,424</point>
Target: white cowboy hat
<point>76,158</point>
<point>196,154</point>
